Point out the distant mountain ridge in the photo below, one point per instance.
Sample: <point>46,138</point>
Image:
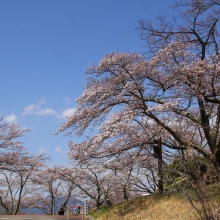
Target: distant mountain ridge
<point>58,202</point>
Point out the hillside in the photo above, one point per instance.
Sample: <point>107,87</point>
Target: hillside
<point>153,207</point>
<point>144,208</point>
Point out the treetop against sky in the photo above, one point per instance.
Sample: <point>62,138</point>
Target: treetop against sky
<point>45,49</point>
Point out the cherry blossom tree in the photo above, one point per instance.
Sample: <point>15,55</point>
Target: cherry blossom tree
<point>53,192</point>
<point>155,98</point>
<point>145,178</point>
<point>198,25</point>
<point>8,135</point>
<point>122,189</point>
<point>16,175</point>
<point>134,178</point>
<point>174,95</point>
<point>93,181</point>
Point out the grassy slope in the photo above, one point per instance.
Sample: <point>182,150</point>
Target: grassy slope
<point>154,207</point>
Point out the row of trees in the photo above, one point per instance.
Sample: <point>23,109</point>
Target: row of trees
<point>27,182</point>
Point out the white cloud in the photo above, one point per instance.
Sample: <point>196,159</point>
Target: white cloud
<point>46,111</point>
<point>10,118</point>
<point>30,109</point>
<point>37,110</point>
<point>59,150</point>
<point>67,113</point>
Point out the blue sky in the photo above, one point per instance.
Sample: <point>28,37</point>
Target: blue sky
<point>45,47</point>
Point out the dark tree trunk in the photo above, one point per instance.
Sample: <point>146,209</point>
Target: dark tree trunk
<point>160,172</point>
<point>217,163</point>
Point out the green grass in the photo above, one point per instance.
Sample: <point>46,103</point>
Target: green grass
<point>214,191</point>
<point>155,207</point>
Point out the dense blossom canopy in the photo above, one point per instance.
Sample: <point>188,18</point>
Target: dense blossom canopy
<point>174,94</point>
<point>135,101</point>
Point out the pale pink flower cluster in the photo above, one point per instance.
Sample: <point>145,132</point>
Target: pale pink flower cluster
<point>134,102</point>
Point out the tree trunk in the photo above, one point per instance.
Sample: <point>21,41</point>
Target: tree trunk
<point>160,162</point>
<point>217,164</point>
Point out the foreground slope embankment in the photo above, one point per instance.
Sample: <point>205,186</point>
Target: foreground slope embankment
<point>152,208</point>
<point>155,207</point>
